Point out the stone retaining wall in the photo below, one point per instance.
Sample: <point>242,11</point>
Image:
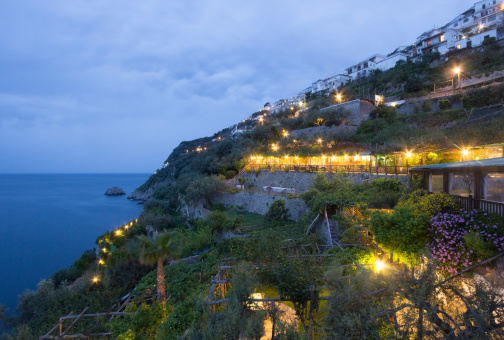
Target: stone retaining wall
<point>260,204</point>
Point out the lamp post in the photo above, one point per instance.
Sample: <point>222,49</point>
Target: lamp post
<point>457,72</point>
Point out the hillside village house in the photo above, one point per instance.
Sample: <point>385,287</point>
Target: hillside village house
<point>375,62</point>
<point>484,20</point>
<point>470,29</point>
<point>327,85</point>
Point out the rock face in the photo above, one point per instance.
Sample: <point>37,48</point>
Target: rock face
<point>114,191</point>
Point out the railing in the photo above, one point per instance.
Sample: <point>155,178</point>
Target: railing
<point>351,168</point>
<point>470,203</point>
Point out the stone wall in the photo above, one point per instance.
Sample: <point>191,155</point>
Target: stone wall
<point>359,110</point>
<point>301,181</point>
<point>324,132</point>
<point>409,108</point>
<point>259,204</point>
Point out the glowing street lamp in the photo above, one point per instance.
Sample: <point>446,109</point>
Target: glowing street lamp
<point>319,141</point>
<point>286,134</point>
<point>379,265</point>
<point>261,119</point>
<point>275,147</point>
<point>457,72</point>
<point>338,98</point>
<point>118,232</point>
<point>465,153</point>
<point>100,261</point>
<point>96,279</point>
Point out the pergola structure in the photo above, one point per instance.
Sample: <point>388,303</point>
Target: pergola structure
<point>476,184</point>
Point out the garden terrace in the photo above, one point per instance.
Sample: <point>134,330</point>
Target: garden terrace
<point>476,184</point>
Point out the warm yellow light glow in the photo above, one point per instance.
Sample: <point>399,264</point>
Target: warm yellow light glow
<point>286,157</point>
<point>379,265</point>
<point>96,279</point>
<point>320,141</point>
<point>104,249</point>
<point>338,97</point>
<point>118,232</point>
<point>275,147</point>
<point>465,152</point>
<point>292,107</point>
<point>286,133</point>
<point>456,70</point>
<point>100,261</point>
<point>408,154</point>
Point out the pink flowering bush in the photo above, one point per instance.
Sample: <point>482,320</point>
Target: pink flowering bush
<point>461,240</point>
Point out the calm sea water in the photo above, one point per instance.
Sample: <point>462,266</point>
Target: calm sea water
<point>47,221</point>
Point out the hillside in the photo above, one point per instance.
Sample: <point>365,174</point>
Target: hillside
<point>304,224</point>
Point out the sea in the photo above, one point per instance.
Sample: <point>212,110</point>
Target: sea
<point>48,220</point>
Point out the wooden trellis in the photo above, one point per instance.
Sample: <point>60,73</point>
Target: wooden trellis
<point>102,318</point>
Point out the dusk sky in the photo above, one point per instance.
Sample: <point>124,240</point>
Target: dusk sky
<point>114,86</point>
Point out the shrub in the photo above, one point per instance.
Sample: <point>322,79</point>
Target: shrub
<point>420,201</point>
<point>460,241</point>
<point>145,320</point>
<point>291,196</point>
<point>384,111</point>
<point>402,232</point>
<point>277,211</point>
<point>218,220</point>
<point>204,188</point>
<point>233,190</point>
<point>427,106</point>
<point>444,104</point>
<point>230,174</point>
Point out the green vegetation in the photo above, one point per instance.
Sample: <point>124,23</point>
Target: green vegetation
<point>277,211</point>
<point>340,191</point>
<point>164,246</point>
<point>402,233</point>
<point>273,256</point>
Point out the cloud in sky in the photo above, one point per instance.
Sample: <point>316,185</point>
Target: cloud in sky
<point>114,86</point>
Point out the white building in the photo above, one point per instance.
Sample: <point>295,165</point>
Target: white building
<point>375,62</point>
<point>468,29</point>
<point>329,84</point>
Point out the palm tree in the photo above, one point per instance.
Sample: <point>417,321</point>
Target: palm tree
<point>154,250</point>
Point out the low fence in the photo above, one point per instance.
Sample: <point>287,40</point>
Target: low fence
<point>470,203</point>
<point>351,168</point>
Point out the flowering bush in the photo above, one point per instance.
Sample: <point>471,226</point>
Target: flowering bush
<point>460,241</point>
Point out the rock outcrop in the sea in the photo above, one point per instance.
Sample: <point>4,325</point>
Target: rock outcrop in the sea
<point>114,191</point>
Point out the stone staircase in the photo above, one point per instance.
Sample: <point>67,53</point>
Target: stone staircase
<point>334,231</point>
